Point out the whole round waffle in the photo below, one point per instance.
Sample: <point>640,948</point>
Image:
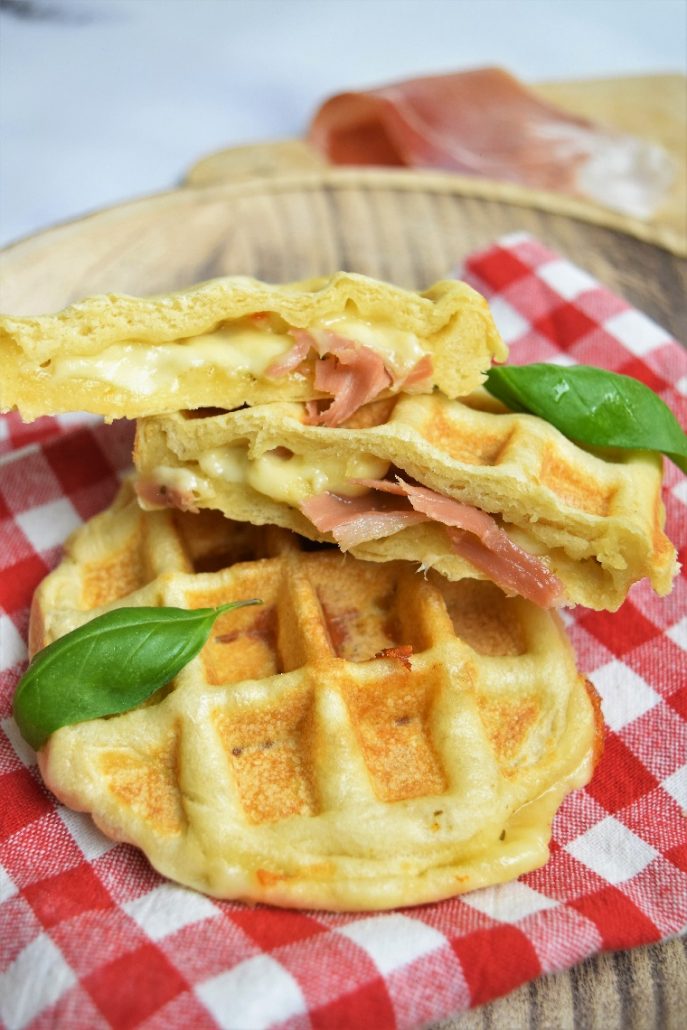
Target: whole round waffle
<point>365,739</point>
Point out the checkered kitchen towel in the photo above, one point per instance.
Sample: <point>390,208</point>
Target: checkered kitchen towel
<point>91,937</point>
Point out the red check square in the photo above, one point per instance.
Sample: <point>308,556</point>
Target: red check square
<point>369,1006</point>
<point>21,580</point>
<point>678,702</point>
<point>151,981</point>
<point>499,268</point>
<point>77,461</point>
<point>23,801</point>
<point>622,630</point>
<point>508,954</point>
<point>566,324</point>
<point>678,856</point>
<point>66,895</point>
<point>271,933</point>
<point>620,778</point>
<point>619,921</point>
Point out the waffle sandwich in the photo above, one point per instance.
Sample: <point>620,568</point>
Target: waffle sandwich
<point>368,738</point>
<point>236,341</point>
<point>570,526</point>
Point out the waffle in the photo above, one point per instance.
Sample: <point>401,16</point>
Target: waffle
<point>295,762</point>
<point>595,518</point>
<point>215,344</point>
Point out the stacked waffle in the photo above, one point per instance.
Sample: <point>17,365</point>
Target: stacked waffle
<point>369,737</point>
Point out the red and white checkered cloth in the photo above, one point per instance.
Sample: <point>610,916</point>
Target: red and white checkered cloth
<point>91,937</point>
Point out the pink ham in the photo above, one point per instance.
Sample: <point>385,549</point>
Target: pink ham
<point>290,361</point>
<point>375,526</point>
<point>473,534</point>
<point>506,564</point>
<point>327,511</point>
<point>312,413</point>
<point>485,122</point>
<point>349,372</point>
<point>353,377</point>
<point>420,371</point>
<point>438,507</point>
<point>355,520</point>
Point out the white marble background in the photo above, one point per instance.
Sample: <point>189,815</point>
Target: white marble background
<point>104,100</point>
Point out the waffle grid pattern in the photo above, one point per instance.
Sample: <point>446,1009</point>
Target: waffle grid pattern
<point>120,947</point>
<point>289,711</point>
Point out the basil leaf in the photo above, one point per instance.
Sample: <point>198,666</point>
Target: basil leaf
<point>592,406</point>
<point>109,665</point>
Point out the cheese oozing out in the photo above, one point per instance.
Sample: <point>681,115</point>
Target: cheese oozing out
<point>239,347</point>
<point>278,474</point>
<point>288,477</point>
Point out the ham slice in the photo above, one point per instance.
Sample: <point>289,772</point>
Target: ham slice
<point>485,122</point>
<point>312,413</point>
<point>353,376</point>
<point>351,373</point>
<point>356,520</point>
<point>472,533</point>
<point>290,361</point>
<point>420,371</point>
<point>504,564</point>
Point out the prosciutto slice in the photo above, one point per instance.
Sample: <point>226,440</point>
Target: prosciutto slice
<point>356,520</point>
<point>473,534</point>
<point>505,565</point>
<point>420,371</point>
<point>290,361</point>
<point>350,372</point>
<point>353,377</point>
<point>485,122</point>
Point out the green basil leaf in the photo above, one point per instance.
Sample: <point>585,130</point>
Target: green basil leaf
<point>109,665</point>
<point>592,406</point>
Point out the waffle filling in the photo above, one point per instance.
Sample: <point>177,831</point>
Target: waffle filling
<point>482,492</point>
<point>353,503</point>
<point>263,346</point>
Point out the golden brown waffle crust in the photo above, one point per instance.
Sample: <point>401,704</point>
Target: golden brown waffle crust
<point>288,764</point>
<point>452,322</point>
<point>597,519</point>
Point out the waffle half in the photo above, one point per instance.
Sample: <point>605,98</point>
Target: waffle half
<point>291,762</point>
<point>215,344</point>
<point>596,520</point>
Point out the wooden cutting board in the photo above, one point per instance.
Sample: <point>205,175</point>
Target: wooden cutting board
<point>411,228</point>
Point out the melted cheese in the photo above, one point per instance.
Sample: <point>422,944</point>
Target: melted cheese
<point>291,478</point>
<point>236,348</point>
<point>227,463</point>
<point>144,369</point>
<point>183,481</point>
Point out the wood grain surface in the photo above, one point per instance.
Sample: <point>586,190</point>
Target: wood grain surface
<point>412,229</point>
<point>409,227</point>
